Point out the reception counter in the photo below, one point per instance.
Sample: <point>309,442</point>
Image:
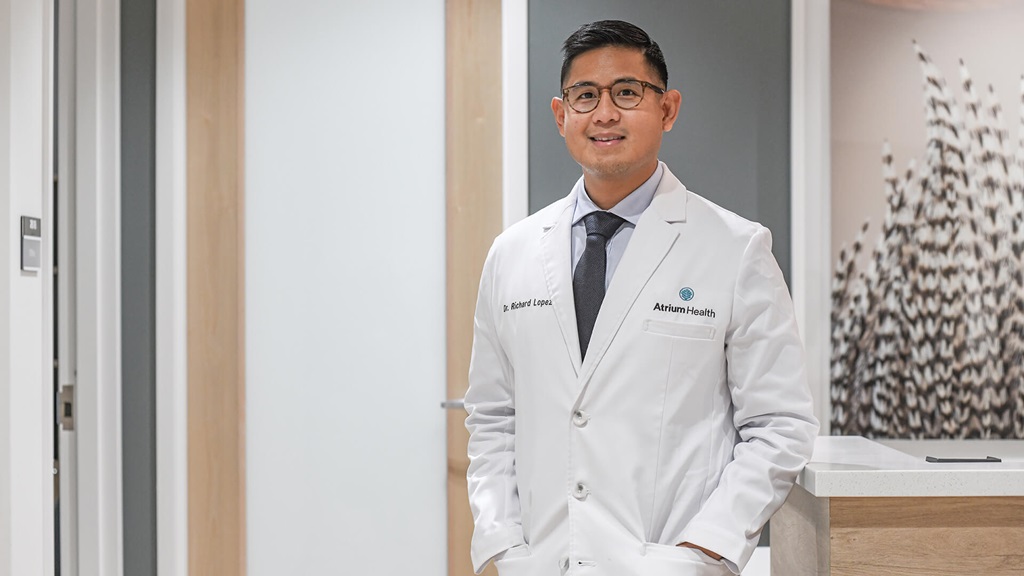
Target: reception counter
<point>878,508</point>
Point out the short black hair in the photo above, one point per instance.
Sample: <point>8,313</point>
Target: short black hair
<point>613,33</point>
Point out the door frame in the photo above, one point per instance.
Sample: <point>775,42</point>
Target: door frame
<point>97,185</point>
<point>171,288</point>
<point>96,121</point>
<point>515,102</point>
<point>200,493</point>
<point>476,212</point>
<point>810,193</point>
<point>64,226</point>
<point>201,504</point>
<point>214,237</point>
<point>94,118</point>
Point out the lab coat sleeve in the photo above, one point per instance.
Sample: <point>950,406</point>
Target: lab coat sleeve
<point>490,402</point>
<point>772,410</point>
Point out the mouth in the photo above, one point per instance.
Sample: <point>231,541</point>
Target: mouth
<point>606,140</point>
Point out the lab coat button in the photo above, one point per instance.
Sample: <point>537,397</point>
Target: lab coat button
<point>581,492</point>
<point>580,418</point>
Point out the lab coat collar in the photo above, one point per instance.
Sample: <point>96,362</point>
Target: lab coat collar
<point>670,198</point>
<point>557,263</point>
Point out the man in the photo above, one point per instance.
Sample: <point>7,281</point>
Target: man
<point>637,400</point>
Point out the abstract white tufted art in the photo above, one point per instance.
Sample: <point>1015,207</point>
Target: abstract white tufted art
<point>928,331</point>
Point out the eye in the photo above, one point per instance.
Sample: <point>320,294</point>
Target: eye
<point>627,91</point>
<point>584,93</point>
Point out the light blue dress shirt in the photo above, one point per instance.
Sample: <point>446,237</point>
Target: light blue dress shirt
<point>629,209</point>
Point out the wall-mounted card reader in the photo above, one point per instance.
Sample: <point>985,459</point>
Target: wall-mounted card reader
<point>31,244</point>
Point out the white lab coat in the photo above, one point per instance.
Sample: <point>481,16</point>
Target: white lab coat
<point>688,421</point>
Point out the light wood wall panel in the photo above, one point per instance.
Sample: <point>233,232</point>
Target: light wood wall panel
<point>216,291</point>
<point>474,201</point>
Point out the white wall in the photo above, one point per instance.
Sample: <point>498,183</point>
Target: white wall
<point>26,505</point>
<point>345,293</point>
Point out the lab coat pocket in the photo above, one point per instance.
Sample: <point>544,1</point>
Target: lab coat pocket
<point>515,562</point>
<point>663,559</point>
<point>680,329</point>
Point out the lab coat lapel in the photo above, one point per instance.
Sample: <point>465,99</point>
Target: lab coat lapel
<point>556,252</point>
<point>652,239</point>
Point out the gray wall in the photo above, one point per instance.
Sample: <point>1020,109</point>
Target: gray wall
<point>730,60</point>
<point>138,278</point>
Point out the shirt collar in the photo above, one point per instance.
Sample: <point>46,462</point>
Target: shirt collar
<point>629,208</point>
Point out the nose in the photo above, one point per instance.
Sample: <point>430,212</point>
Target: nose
<point>606,110</point>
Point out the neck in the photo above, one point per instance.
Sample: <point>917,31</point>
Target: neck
<point>607,191</point>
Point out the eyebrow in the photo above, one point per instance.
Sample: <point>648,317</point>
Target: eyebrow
<point>617,80</point>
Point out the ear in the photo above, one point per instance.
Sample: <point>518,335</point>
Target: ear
<point>558,109</point>
<point>670,103</point>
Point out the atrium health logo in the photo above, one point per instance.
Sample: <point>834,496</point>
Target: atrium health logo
<point>686,294</point>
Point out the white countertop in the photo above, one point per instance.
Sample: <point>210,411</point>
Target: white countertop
<point>855,466</point>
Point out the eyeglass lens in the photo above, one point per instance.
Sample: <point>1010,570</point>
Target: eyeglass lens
<point>625,94</point>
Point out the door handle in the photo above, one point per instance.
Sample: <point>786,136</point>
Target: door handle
<point>457,404</point>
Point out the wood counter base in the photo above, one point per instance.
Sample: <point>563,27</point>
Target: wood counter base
<point>898,536</point>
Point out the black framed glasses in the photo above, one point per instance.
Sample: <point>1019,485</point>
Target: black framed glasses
<point>626,94</point>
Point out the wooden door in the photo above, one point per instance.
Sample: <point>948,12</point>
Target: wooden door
<point>474,201</point>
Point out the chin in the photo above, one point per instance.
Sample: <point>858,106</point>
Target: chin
<point>611,169</point>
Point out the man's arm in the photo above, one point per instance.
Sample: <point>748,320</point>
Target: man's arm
<point>490,402</point>
<point>773,411</point>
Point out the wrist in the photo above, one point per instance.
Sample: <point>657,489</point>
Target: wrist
<point>710,553</point>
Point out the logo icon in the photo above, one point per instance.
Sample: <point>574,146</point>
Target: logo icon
<point>686,294</point>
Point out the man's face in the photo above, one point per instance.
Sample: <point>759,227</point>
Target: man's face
<point>611,144</point>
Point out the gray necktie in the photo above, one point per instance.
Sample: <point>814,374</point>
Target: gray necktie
<point>588,280</point>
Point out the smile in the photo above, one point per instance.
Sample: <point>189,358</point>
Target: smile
<point>607,141</point>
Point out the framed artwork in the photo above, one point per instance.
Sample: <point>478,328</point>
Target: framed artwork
<point>926,204</point>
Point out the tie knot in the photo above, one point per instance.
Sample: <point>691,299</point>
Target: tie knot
<point>604,224</point>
